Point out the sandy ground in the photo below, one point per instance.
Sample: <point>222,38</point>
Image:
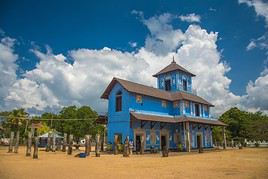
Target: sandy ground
<point>245,163</point>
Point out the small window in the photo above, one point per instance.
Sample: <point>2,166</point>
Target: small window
<point>118,101</point>
<point>138,98</point>
<point>197,110</point>
<point>184,83</point>
<point>164,103</point>
<point>175,104</point>
<point>167,85</point>
<point>186,104</point>
<point>153,137</point>
<point>206,108</point>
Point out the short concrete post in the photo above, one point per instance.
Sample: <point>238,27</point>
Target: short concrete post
<point>16,149</point>
<point>224,137</point>
<point>126,148</point>
<point>115,144</point>
<point>70,146</point>
<point>11,141</point>
<point>64,142</point>
<point>87,145</point>
<point>35,153</point>
<point>97,148</point>
<point>29,144</point>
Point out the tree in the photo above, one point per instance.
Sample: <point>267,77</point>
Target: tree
<point>242,124</point>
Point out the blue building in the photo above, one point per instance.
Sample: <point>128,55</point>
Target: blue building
<point>165,116</point>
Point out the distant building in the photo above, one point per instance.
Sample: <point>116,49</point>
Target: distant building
<point>165,116</point>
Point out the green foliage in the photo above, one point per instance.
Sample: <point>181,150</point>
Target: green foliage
<point>15,121</point>
<point>79,128</point>
<point>44,129</point>
<point>241,125</point>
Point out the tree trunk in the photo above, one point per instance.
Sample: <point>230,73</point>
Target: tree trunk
<point>11,141</point>
<point>17,141</point>
<point>64,143</point>
<point>35,153</point>
<point>70,146</point>
<point>29,144</point>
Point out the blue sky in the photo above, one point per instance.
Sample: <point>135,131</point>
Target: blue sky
<point>73,25</point>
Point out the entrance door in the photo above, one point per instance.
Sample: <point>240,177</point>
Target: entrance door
<point>138,143</point>
<point>163,142</point>
<point>199,141</point>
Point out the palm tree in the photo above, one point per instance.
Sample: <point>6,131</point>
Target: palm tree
<point>16,118</point>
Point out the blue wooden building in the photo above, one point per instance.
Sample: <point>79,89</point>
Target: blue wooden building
<point>165,116</point>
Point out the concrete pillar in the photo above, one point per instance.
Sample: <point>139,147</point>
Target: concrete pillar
<point>224,137</point>
<point>70,146</point>
<point>53,141</point>
<point>87,145</point>
<point>29,144</point>
<point>142,144</point>
<point>115,144</point>
<point>126,147</point>
<point>35,154</point>
<point>11,141</point>
<point>48,147</point>
<point>64,142</point>
<point>188,142</point>
<point>16,149</point>
<point>97,147</point>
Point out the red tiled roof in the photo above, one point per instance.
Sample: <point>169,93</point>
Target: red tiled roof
<point>173,67</point>
<point>146,117</point>
<point>153,92</point>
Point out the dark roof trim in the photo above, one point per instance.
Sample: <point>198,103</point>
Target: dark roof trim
<point>146,117</point>
<point>153,92</point>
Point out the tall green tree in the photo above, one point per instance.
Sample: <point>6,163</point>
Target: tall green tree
<point>242,124</point>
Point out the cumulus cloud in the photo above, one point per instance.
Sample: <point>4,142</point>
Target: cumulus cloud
<point>162,38</point>
<point>190,18</point>
<point>257,96</point>
<point>55,82</point>
<point>8,67</point>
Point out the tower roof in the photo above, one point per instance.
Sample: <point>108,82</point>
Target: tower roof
<point>173,67</point>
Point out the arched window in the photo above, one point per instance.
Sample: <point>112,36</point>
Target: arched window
<point>118,101</point>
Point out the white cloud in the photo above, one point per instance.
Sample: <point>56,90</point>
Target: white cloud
<point>55,83</point>
<point>251,45</point>
<point>133,44</point>
<point>257,96</point>
<point>190,18</point>
<point>162,38</point>
<point>8,67</point>
<point>260,7</point>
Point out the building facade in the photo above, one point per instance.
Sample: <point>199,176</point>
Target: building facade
<point>170,115</point>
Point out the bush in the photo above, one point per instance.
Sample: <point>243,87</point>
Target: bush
<point>180,147</point>
<point>109,147</point>
<point>120,147</point>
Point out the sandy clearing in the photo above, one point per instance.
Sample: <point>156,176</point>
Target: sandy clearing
<point>246,163</point>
